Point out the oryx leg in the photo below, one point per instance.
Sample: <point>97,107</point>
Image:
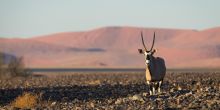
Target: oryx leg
<point>153,87</point>
<point>159,86</point>
<point>156,86</point>
<point>150,87</point>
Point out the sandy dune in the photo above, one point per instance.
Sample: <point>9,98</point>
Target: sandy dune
<point>117,47</point>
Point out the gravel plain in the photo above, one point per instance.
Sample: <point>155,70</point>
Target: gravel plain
<point>114,91</point>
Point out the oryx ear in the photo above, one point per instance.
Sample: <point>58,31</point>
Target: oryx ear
<point>140,51</point>
<point>154,51</point>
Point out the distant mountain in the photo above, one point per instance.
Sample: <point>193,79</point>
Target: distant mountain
<point>117,47</point>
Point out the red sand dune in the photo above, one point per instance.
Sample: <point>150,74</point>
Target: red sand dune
<point>117,47</point>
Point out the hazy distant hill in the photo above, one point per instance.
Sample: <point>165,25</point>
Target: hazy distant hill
<point>117,47</point>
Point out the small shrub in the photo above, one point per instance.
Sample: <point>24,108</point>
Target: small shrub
<point>16,67</point>
<point>1,61</point>
<point>26,101</point>
<point>2,66</point>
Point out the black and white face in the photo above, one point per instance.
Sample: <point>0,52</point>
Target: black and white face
<point>147,55</point>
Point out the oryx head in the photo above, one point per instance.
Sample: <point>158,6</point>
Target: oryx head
<point>148,54</point>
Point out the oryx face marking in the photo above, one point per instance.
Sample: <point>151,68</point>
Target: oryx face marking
<point>148,57</point>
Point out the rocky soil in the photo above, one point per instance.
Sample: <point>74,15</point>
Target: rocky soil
<point>117,91</point>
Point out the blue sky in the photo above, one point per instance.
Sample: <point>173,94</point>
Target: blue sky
<point>29,18</point>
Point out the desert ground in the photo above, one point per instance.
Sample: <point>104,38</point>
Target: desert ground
<point>113,91</point>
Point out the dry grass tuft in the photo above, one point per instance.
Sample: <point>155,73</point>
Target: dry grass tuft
<point>26,101</point>
<point>95,82</point>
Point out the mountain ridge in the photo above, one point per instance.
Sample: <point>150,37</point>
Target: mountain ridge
<point>117,47</point>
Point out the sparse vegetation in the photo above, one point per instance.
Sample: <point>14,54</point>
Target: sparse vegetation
<point>95,82</point>
<point>26,101</point>
<point>14,68</point>
<point>111,91</point>
<point>2,66</point>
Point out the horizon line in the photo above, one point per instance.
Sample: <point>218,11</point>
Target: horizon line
<point>102,27</point>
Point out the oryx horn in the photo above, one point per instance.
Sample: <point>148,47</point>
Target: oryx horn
<point>152,43</point>
<point>143,42</point>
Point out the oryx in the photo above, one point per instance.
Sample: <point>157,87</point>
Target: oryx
<point>155,67</point>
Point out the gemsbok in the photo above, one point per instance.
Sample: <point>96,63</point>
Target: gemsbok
<point>155,67</point>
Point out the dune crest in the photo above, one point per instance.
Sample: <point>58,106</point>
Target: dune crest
<point>117,47</point>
